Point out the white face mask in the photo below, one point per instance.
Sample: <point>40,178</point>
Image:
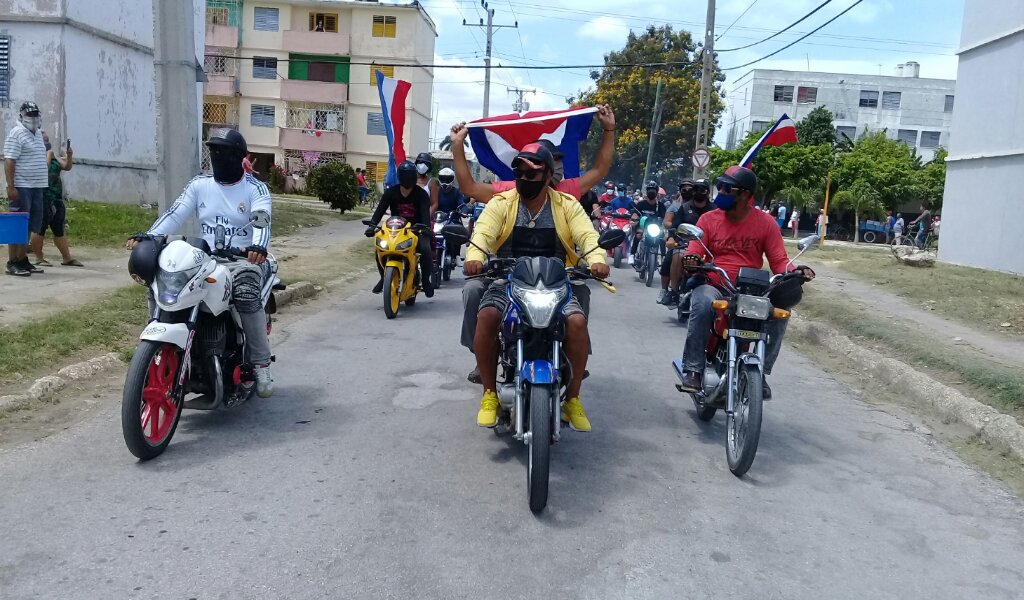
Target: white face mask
<point>559,173</point>
<point>422,168</point>
<point>31,123</point>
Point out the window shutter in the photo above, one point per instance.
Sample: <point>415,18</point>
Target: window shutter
<point>891,100</point>
<point>261,115</point>
<point>331,23</point>
<point>312,21</point>
<point>266,19</point>
<point>378,26</point>
<point>390,26</point>
<point>907,136</point>
<point>375,124</point>
<point>264,67</point>
<point>930,139</point>
<point>5,68</point>
<point>868,99</point>
<point>949,103</point>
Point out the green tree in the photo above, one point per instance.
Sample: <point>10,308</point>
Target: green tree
<point>790,166</point>
<point>862,199</point>
<point>630,91</point>
<point>884,164</point>
<point>335,184</point>
<point>931,180</point>
<point>816,128</point>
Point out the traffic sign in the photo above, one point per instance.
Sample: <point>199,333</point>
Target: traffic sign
<point>701,158</point>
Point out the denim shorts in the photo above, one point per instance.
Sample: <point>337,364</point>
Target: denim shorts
<point>30,200</point>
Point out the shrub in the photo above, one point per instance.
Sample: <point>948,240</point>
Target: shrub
<point>276,179</point>
<point>334,184</point>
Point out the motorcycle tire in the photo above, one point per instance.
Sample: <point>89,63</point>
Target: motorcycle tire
<point>538,466</point>
<point>154,367</point>
<point>446,271</point>
<point>435,278</point>
<point>392,283</point>
<point>743,426</point>
<point>411,301</point>
<point>618,257</point>
<point>652,266</point>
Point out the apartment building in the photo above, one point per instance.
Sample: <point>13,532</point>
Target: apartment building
<point>915,110</point>
<point>297,77</point>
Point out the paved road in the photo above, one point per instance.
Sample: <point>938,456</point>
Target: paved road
<point>365,477</point>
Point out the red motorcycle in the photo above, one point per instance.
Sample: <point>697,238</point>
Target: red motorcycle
<point>618,219</point>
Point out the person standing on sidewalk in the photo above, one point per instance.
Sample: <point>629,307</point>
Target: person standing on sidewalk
<point>897,229</point>
<point>55,212</point>
<point>794,222</point>
<point>25,168</point>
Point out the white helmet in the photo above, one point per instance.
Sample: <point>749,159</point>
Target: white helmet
<point>446,176</point>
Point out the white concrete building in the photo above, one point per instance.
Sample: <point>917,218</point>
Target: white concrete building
<point>982,210</point>
<point>912,109</point>
<point>88,64</point>
<point>302,89</point>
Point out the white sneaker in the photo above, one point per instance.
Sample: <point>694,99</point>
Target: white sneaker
<point>630,259</point>
<point>264,382</point>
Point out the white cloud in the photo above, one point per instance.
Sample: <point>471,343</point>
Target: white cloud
<point>604,28</point>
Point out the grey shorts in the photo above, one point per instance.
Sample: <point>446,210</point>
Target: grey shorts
<point>30,200</point>
<point>496,297</point>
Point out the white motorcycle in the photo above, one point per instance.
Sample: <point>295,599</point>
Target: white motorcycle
<point>194,343</point>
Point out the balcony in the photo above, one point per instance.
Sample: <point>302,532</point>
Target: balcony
<point>316,42</point>
<point>294,90</point>
<point>222,36</point>
<point>312,141</point>
<point>220,85</point>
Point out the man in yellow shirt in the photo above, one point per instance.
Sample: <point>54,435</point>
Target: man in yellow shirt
<point>532,220</point>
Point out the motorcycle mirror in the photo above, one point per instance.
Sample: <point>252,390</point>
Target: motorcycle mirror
<point>808,243</point>
<point>610,238</point>
<point>219,233</point>
<point>457,232</point>
<point>260,219</point>
<point>690,232</point>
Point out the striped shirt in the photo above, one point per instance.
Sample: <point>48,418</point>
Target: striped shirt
<point>28,152</point>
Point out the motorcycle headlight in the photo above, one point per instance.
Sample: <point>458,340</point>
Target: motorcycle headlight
<point>404,245</point>
<point>654,230</point>
<point>753,307</point>
<point>438,227</point>
<point>383,244</point>
<point>539,305</point>
<point>169,285</point>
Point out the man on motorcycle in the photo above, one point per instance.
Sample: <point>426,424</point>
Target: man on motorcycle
<point>737,236</point>
<point>229,198</point>
<point>532,220</point>
<point>694,201</point>
<point>608,195</point>
<point>449,198</point>
<point>648,207</point>
<point>411,202</point>
<point>621,200</point>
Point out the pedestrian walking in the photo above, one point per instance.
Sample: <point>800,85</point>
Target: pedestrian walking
<point>25,169</point>
<point>890,223</point>
<point>782,216</point>
<point>794,222</point>
<point>897,229</point>
<point>247,165</point>
<point>821,223</point>
<point>55,213</point>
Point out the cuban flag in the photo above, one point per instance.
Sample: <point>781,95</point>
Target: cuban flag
<point>782,132</point>
<point>497,140</point>
<point>393,93</point>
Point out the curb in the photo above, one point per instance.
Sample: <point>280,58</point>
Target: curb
<point>994,426</point>
<point>49,385</point>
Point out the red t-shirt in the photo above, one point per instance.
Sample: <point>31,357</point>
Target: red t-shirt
<point>247,165</point>
<point>568,186</point>
<point>743,244</point>
<point>361,179</point>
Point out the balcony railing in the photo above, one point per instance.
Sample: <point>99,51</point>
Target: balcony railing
<point>316,42</point>
<point>310,140</point>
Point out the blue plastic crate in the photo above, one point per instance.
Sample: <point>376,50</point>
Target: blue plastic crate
<point>13,228</point>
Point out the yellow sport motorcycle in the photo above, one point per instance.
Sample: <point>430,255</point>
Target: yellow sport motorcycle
<point>395,243</point>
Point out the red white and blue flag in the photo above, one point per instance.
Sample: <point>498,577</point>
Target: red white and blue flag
<point>497,140</point>
<point>782,132</point>
<point>393,93</point>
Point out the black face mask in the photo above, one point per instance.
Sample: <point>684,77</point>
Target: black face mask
<point>529,189</point>
<point>686,194</point>
<point>652,195</point>
<point>227,167</point>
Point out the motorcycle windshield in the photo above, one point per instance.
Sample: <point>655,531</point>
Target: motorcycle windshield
<point>169,284</point>
<point>532,271</point>
<point>539,287</point>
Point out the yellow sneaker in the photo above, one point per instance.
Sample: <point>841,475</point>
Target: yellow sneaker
<point>488,415</point>
<point>572,413</point>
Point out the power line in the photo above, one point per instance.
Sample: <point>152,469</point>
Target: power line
<point>522,47</point>
<point>777,33</point>
<point>750,6</point>
<point>791,44</point>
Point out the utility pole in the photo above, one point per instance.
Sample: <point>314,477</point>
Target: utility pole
<point>487,58</point>
<point>706,86</point>
<point>655,124</point>
<point>521,105</point>
<point>177,105</point>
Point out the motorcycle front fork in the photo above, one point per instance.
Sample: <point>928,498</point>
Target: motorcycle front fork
<point>520,406</point>
<point>734,361</point>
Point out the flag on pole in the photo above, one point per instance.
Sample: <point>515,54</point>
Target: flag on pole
<point>393,93</point>
<point>782,132</point>
<point>497,140</point>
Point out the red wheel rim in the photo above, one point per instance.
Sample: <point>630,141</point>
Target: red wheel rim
<point>159,408</point>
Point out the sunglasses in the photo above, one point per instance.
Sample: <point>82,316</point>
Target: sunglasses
<point>529,174</point>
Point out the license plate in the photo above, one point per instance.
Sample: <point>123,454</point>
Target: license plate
<point>748,335</point>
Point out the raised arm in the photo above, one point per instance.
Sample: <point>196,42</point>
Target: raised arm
<point>606,153</point>
<point>469,186</point>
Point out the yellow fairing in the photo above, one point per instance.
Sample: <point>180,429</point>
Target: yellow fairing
<point>396,252</point>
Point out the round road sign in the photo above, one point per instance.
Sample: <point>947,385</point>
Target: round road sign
<point>701,157</point>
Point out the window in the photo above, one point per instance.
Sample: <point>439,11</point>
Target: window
<point>264,67</point>
<point>891,100</point>
<point>930,139</point>
<point>215,112</point>
<point>375,124</point>
<point>267,19</point>
<point>375,171</point>
<point>783,93</point>
<point>5,68</point>
<point>262,115</point>
<point>315,67</point>
<point>758,125</point>
<point>868,99</point>
<point>216,15</point>
<point>907,136</point>
<point>328,20</point>
<point>387,70</point>
<point>807,95</point>
<point>949,103</point>
<point>846,131</point>
<point>315,116</point>
<point>384,26</point>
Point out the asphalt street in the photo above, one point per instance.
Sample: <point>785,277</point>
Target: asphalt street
<point>365,476</point>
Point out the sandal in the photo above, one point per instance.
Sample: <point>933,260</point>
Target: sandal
<point>42,262</point>
<point>72,263</point>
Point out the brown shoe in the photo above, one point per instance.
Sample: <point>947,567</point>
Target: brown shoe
<point>690,382</point>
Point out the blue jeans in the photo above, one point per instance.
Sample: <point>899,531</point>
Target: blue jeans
<point>30,200</point>
<point>698,328</point>
<point>920,238</point>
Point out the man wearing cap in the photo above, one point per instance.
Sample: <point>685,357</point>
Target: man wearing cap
<point>532,220</point>
<point>738,237</point>
<point>574,186</point>
<point>25,168</point>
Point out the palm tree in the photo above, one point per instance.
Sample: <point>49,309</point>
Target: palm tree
<point>862,199</point>
<point>446,143</point>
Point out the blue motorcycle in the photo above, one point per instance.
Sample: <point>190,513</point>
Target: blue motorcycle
<point>446,250</point>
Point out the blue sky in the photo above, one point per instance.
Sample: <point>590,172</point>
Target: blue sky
<point>872,38</point>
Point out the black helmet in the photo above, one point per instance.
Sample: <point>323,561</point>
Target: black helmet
<point>29,108</point>
<point>143,263</point>
<point>686,182</point>
<point>739,177</point>
<point>652,185</point>
<point>228,139</point>
<point>407,174</point>
<point>701,187</point>
<point>786,293</point>
<point>425,158</point>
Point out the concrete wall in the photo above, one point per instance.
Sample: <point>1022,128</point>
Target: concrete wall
<point>981,213</point>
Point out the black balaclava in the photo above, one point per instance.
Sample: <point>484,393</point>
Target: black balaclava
<point>227,166</point>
